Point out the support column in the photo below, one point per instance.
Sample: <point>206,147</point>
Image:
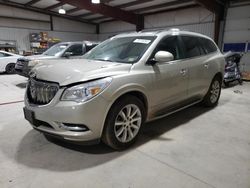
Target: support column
<point>51,23</point>
<point>140,23</point>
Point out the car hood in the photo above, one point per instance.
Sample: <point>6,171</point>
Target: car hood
<point>38,57</point>
<point>67,72</point>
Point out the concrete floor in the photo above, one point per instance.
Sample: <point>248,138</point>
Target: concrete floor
<point>197,147</point>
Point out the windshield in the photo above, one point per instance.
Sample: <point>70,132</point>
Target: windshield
<point>122,50</point>
<point>54,50</point>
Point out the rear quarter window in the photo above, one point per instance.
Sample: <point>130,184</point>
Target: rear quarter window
<point>208,45</point>
<point>4,54</point>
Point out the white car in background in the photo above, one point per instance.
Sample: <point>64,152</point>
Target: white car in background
<point>7,61</point>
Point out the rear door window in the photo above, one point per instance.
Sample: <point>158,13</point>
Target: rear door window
<point>208,45</point>
<point>192,46</point>
<point>89,47</point>
<point>75,49</point>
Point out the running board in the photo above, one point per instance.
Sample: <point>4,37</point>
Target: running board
<point>174,111</point>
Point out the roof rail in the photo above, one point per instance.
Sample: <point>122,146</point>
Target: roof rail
<point>125,33</point>
<point>158,30</point>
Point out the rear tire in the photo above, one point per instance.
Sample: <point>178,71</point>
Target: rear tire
<point>10,68</point>
<point>226,84</point>
<point>212,97</point>
<point>123,122</point>
<point>240,81</point>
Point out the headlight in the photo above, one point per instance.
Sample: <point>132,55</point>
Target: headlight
<point>32,63</point>
<point>86,91</point>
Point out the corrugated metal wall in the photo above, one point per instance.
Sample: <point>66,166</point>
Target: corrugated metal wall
<point>237,29</point>
<point>21,36</point>
<point>194,19</point>
<point>14,29</point>
<point>110,29</point>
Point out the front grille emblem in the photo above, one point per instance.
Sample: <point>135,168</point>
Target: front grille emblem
<point>32,74</point>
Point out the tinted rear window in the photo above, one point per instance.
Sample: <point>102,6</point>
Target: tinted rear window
<point>192,46</point>
<point>208,45</point>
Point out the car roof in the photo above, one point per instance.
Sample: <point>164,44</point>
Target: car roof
<point>80,42</point>
<point>161,32</point>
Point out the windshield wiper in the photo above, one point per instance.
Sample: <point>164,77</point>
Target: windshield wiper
<point>103,60</point>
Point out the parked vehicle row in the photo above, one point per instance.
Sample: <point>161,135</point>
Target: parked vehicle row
<point>8,61</point>
<point>109,93</point>
<point>58,51</point>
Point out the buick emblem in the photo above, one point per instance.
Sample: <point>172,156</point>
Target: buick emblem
<point>32,74</point>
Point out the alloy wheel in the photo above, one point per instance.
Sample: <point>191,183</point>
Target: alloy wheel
<point>215,91</point>
<point>127,123</point>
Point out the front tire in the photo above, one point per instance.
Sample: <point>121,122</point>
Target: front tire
<point>124,122</point>
<point>10,68</point>
<point>212,97</point>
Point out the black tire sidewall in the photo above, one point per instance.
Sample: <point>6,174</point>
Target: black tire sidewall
<point>12,66</point>
<point>108,133</point>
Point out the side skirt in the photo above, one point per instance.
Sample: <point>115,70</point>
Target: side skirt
<point>174,111</point>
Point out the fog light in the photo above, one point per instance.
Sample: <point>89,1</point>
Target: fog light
<point>74,127</point>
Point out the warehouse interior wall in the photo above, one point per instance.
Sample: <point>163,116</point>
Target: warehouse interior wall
<point>110,29</point>
<point>237,30</point>
<point>16,24</point>
<point>193,19</point>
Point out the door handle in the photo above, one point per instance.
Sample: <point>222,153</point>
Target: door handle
<point>183,72</point>
<point>206,65</point>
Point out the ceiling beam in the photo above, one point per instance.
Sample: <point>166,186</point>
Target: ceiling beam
<point>125,5</point>
<point>22,6</point>
<point>73,10</point>
<point>105,21</point>
<point>106,1</point>
<point>211,5</point>
<point>85,14</point>
<point>55,6</point>
<point>168,4</point>
<point>97,18</point>
<point>133,3</point>
<point>105,10</point>
<point>172,9</point>
<point>32,2</point>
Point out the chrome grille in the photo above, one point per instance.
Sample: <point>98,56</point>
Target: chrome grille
<point>21,63</point>
<point>41,92</point>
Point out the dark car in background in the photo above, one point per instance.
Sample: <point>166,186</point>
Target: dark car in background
<point>58,51</point>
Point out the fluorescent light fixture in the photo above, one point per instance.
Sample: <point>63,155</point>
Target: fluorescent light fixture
<point>61,11</point>
<point>95,1</point>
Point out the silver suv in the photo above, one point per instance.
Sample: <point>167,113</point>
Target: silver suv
<point>122,83</point>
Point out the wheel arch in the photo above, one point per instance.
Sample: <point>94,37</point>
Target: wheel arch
<point>8,64</point>
<point>220,75</point>
<point>140,95</point>
<point>137,93</point>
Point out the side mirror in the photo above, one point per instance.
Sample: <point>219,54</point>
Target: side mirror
<point>67,54</point>
<point>163,56</point>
